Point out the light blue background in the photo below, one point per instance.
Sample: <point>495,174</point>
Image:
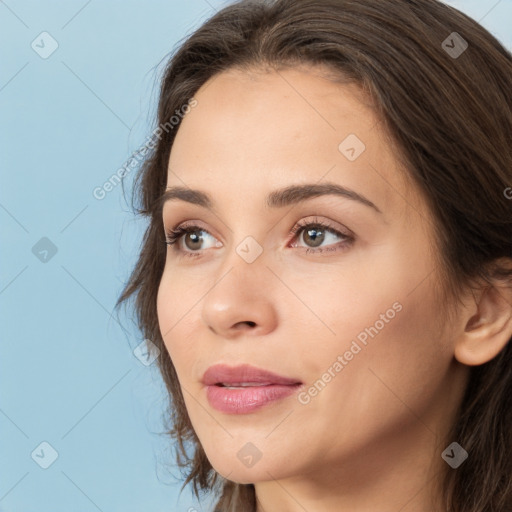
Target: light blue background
<point>67,372</point>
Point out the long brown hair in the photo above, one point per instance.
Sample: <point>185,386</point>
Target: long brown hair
<point>445,100</point>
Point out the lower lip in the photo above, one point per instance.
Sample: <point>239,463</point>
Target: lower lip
<point>248,399</point>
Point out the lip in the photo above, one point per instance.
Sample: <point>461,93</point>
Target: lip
<point>268,387</point>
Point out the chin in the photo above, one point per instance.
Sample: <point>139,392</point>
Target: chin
<point>235,470</point>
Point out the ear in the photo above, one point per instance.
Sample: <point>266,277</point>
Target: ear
<point>488,328</point>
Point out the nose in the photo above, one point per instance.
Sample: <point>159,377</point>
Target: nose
<point>240,302</point>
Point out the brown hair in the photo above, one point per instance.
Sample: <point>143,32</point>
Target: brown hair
<point>450,117</point>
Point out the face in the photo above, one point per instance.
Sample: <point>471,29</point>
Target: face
<point>332,292</point>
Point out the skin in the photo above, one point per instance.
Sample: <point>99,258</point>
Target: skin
<point>372,438</point>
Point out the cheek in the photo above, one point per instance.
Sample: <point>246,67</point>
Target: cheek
<point>178,306</point>
<point>383,325</point>
<point>393,363</point>
<point>169,312</point>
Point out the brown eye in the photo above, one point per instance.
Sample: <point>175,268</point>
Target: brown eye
<point>314,236</point>
<point>317,235</point>
<point>192,241</point>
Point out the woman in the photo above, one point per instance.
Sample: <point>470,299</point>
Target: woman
<point>327,266</point>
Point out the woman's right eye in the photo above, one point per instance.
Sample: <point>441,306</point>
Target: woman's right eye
<point>190,237</point>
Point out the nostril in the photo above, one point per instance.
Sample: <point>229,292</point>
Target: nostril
<point>249,323</point>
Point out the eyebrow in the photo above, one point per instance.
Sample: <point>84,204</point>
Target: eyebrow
<point>287,196</point>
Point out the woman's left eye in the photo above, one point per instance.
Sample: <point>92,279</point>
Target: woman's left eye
<point>316,233</point>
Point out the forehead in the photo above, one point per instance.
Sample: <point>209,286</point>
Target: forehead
<point>253,132</point>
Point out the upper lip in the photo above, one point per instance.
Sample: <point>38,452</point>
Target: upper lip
<point>245,373</point>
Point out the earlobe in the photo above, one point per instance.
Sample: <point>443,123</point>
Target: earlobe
<point>488,330</point>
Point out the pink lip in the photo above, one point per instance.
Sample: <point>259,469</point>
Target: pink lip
<point>268,388</point>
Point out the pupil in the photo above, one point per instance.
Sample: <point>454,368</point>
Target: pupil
<point>318,238</point>
<point>195,239</point>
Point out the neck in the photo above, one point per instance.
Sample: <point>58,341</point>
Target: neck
<point>400,474</point>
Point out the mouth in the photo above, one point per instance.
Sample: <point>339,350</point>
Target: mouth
<point>236,385</point>
<point>244,389</point>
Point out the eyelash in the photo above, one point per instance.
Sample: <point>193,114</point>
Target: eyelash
<point>174,235</point>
